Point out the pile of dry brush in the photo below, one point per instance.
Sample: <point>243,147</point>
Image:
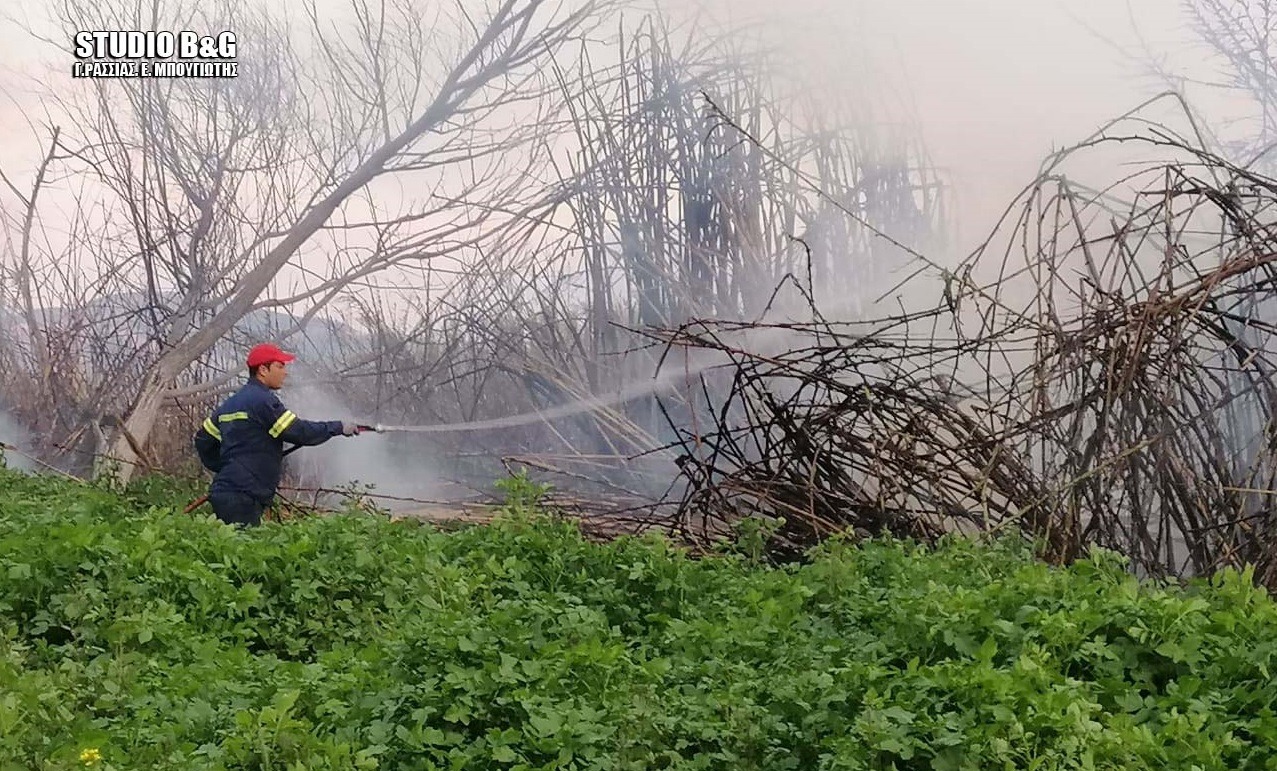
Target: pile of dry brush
<point>1110,384</point>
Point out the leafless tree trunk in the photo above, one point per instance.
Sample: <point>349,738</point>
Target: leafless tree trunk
<point>668,215</point>
<point>24,274</point>
<point>224,185</point>
<point>61,327</point>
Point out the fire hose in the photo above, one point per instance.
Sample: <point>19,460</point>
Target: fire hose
<point>564,410</point>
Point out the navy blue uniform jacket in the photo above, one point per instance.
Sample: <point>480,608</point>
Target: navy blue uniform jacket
<point>242,443</point>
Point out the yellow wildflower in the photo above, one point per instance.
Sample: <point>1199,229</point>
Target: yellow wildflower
<point>90,756</point>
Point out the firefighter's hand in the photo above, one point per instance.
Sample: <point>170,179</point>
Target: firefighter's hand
<point>348,428</point>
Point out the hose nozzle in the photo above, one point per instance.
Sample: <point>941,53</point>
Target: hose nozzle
<point>377,428</point>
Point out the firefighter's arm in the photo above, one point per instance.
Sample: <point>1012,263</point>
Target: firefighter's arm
<point>283,423</point>
<point>208,444</point>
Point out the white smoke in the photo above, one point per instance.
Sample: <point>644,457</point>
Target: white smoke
<point>382,462</point>
<point>13,435</point>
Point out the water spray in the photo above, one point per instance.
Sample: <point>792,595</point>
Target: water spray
<point>752,338</point>
<point>576,407</point>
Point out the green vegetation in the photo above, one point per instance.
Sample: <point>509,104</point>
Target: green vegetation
<point>133,637</point>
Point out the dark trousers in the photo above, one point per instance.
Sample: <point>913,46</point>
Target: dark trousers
<point>237,509</point>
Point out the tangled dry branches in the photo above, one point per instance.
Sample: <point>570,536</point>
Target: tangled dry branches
<point>1111,384</point>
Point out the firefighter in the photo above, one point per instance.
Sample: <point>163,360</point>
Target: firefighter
<point>242,442</point>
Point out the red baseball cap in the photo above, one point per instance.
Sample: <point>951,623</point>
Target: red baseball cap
<point>267,353</point>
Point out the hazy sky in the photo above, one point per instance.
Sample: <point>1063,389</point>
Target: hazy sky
<point>995,84</point>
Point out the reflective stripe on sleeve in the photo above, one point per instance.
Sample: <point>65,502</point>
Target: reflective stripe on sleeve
<point>284,422</point>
